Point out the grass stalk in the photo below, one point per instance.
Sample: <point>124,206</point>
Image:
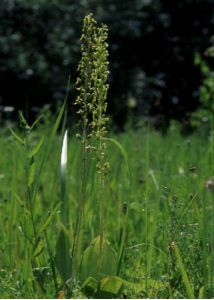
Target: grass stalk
<point>146,206</point>
<point>79,223</point>
<point>184,275</point>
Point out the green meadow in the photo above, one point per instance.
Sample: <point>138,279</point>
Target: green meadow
<point>158,210</point>
<point>88,213</point>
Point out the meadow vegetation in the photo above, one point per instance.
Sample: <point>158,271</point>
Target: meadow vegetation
<point>85,212</point>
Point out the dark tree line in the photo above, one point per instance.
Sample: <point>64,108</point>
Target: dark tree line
<point>152,48</point>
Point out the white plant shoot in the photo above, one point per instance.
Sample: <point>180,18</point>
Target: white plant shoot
<point>64,153</point>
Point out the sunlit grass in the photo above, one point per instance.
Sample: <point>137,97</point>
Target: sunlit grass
<point>169,205</point>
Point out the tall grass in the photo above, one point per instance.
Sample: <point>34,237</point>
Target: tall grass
<point>186,219</point>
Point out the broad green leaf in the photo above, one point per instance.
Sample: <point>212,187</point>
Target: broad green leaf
<point>110,287</point>
<point>89,287</point>
<point>36,149</point>
<point>151,286</point>
<point>62,256</point>
<point>95,265</point>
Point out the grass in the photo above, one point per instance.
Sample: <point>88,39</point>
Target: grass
<point>163,226</point>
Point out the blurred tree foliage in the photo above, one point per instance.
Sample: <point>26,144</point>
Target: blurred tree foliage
<point>203,118</point>
<point>152,49</point>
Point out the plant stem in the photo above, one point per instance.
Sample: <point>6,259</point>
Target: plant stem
<point>78,229</point>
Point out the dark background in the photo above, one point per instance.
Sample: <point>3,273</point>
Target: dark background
<point>152,49</point>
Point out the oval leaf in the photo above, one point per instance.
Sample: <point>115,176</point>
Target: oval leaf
<point>110,287</point>
<point>62,258</point>
<point>89,287</point>
<point>92,265</point>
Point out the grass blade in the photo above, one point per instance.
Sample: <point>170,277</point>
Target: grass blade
<point>184,275</point>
